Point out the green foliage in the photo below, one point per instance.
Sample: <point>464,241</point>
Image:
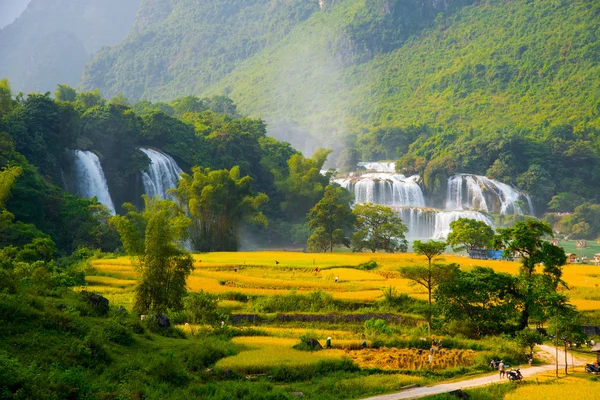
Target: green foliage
<point>220,202</point>
<point>202,308</point>
<point>429,249</point>
<point>469,234</point>
<point>329,219</point>
<point>528,339</point>
<point>526,238</point>
<point>378,228</point>
<point>153,237</point>
<point>482,297</point>
<point>376,327</point>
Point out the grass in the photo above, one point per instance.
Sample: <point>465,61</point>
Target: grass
<point>264,354</point>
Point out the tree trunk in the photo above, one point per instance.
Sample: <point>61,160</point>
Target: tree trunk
<point>429,291</point>
<point>566,362</point>
<point>524,320</point>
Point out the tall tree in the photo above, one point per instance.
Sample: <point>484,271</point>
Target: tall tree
<point>481,296</point>
<point>470,235</point>
<point>526,240</point>
<point>304,185</point>
<point>220,202</point>
<point>429,249</point>
<point>378,228</point>
<point>330,219</point>
<point>154,238</point>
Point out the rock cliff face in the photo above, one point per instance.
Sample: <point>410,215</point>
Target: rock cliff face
<point>52,40</point>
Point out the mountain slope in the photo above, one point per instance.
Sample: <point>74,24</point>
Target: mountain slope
<point>317,74</point>
<point>489,66</point>
<point>51,42</point>
<point>10,10</point>
<point>179,47</point>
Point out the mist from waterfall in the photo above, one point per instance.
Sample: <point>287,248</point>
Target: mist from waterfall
<point>90,180</point>
<point>379,166</point>
<point>163,174</point>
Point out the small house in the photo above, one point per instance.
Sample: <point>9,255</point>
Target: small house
<point>597,259</point>
<point>571,258</point>
<point>596,349</point>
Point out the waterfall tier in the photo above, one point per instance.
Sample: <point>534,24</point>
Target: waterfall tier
<point>385,188</point>
<point>474,192</point>
<point>379,166</point>
<point>425,223</point>
<point>90,181</point>
<point>162,175</point>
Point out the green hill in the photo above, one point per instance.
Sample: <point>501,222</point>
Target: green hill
<point>357,64</point>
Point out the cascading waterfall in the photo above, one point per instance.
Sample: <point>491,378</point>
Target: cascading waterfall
<point>385,188</point>
<point>90,181</point>
<point>474,192</point>
<point>163,174</point>
<point>379,166</point>
<point>468,196</point>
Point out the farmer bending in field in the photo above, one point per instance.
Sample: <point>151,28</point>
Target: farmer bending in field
<point>501,368</point>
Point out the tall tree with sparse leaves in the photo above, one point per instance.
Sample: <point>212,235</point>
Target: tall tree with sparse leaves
<point>154,239</point>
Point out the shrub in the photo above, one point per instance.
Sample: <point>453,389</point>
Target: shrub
<point>168,369</point>
<point>207,353</point>
<point>117,333</point>
<point>376,327</point>
<point>202,308</point>
<point>368,266</point>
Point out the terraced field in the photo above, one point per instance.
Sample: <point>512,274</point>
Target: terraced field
<point>271,273</point>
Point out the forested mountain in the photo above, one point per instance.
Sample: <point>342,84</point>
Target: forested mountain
<point>314,68</point>
<point>52,41</point>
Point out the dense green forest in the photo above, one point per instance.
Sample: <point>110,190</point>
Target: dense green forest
<point>39,135</point>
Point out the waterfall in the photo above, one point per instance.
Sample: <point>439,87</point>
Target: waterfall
<point>379,166</point>
<point>443,219</point>
<point>90,180</point>
<point>385,188</point>
<point>163,174</point>
<point>419,221</point>
<point>474,192</point>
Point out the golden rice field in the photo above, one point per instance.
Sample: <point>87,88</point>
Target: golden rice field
<point>392,358</point>
<point>258,274</point>
<point>573,387</point>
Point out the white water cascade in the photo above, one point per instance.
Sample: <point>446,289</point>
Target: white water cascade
<point>468,196</point>
<point>89,179</point>
<point>163,174</point>
<point>474,192</point>
<point>385,188</point>
<point>379,166</point>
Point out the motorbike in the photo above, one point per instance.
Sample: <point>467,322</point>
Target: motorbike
<point>514,375</point>
<point>591,368</point>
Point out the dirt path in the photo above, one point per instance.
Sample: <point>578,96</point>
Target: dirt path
<point>547,351</point>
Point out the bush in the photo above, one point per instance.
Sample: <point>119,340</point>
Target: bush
<point>207,354</point>
<point>168,369</point>
<point>376,327</point>
<point>117,333</point>
<point>202,308</point>
<point>368,266</point>
<point>316,301</point>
